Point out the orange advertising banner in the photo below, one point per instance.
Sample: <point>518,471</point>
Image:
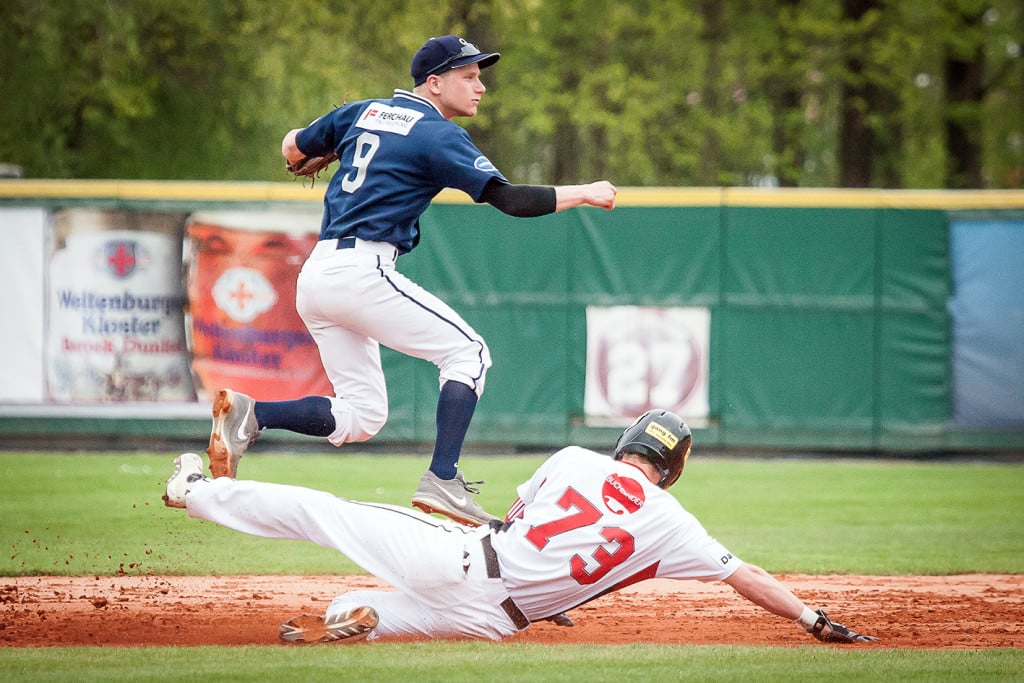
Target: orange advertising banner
<point>245,332</point>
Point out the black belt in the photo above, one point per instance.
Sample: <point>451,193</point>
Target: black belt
<point>346,242</point>
<point>509,605</point>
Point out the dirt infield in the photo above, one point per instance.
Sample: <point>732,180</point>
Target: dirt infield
<point>969,611</point>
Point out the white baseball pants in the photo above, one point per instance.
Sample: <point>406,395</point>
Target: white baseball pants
<point>351,300</point>
<point>437,566</point>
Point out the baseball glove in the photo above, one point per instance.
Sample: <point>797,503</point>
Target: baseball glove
<point>835,632</point>
<point>310,167</point>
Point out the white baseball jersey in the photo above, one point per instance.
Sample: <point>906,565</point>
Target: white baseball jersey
<point>586,524</point>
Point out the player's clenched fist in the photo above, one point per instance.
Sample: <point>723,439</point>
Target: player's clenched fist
<point>600,194</point>
<point>603,194</point>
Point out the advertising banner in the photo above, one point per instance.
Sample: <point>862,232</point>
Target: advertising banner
<point>245,332</point>
<point>115,317</point>
<point>987,309</point>
<point>23,279</point>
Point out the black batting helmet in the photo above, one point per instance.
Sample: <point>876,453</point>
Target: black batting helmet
<point>663,438</point>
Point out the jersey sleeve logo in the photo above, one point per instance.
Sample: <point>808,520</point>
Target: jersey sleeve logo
<point>384,118</point>
<point>622,495</point>
<point>482,163</point>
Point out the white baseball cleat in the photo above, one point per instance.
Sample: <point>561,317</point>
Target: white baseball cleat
<point>451,498</point>
<point>234,428</point>
<point>348,627</point>
<point>188,469</point>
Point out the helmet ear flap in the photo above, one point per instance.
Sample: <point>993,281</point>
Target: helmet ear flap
<point>671,476</point>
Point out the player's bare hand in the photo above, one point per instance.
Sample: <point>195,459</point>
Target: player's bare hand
<point>602,194</point>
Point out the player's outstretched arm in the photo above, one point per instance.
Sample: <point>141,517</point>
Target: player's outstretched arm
<point>529,201</point>
<point>600,194</point>
<point>764,590</point>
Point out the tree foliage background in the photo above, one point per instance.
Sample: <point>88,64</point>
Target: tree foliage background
<point>827,93</point>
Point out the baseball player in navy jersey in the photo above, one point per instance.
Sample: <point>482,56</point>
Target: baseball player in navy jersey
<point>583,525</point>
<point>395,155</point>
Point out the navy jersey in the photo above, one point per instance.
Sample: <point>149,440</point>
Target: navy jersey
<point>395,156</point>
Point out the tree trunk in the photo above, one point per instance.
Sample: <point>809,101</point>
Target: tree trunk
<point>714,38</point>
<point>856,143</point>
<point>965,91</point>
<point>785,101</point>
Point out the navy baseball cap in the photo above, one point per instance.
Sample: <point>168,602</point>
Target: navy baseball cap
<point>447,52</point>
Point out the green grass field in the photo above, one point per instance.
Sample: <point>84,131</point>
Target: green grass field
<point>486,662</point>
<point>101,514</point>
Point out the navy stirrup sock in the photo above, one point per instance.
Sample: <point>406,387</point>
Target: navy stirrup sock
<point>310,415</point>
<point>455,408</point>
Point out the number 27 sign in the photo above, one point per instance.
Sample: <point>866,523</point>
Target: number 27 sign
<point>643,357</point>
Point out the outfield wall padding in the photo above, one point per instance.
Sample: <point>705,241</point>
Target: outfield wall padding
<point>830,321</point>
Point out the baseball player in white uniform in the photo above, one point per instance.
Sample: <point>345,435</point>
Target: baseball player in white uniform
<point>583,525</point>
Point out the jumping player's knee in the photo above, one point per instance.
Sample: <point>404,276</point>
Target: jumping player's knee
<point>474,383</point>
<point>354,424</point>
<point>470,369</point>
<point>365,426</point>
<point>370,424</point>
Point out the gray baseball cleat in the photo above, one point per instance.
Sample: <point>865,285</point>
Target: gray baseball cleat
<point>451,498</point>
<point>348,627</point>
<point>562,619</point>
<point>188,469</point>
<point>234,428</point>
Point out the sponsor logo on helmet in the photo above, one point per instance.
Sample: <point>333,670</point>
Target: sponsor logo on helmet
<point>662,434</point>
<point>622,495</point>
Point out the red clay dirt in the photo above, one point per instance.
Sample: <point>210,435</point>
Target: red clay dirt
<point>965,611</point>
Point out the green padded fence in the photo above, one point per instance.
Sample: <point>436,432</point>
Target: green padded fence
<point>829,322</point>
<point>828,325</point>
